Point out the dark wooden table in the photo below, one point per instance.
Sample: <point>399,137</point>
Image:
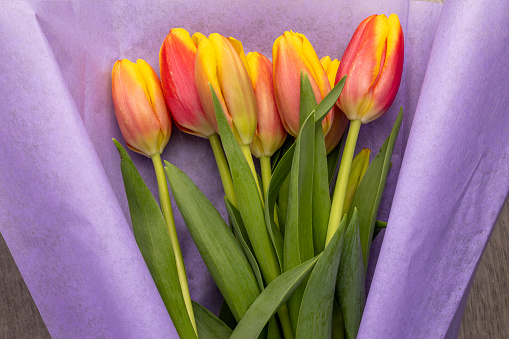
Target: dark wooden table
<point>486,313</point>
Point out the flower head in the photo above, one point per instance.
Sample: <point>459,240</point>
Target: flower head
<point>140,109</point>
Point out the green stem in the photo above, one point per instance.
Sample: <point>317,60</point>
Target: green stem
<point>338,199</point>
<point>224,170</point>
<point>266,172</point>
<point>284,318</point>
<point>164,197</point>
<point>249,158</point>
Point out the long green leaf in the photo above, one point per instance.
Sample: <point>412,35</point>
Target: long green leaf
<point>316,309</point>
<point>298,239</point>
<point>248,198</point>
<point>154,242</point>
<point>333,160</point>
<point>238,225</point>
<point>209,326</point>
<point>369,193</point>
<point>321,198</point>
<point>271,298</point>
<point>351,279</point>
<point>276,182</point>
<point>218,247</point>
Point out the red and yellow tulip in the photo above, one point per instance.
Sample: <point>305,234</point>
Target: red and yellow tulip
<point>373,63</point>
<point>270,133</point>
<point>292,53</point>
<point>140,109</point>
<point>222,63</point>
<point>177,65</point>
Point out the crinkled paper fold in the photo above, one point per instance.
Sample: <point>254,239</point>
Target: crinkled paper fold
<point>63,210</point>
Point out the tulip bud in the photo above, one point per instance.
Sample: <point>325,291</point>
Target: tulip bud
<point>139,104</point>
<point>359,166</point>
<point>219,62</point>
<point>340,120</point>
<point>270,133</point>
<point>292,53</point>
<point>373,63</point>
<point>177,62</point>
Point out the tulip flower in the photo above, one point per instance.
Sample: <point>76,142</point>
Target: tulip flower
<point>139,104</point>
<point>177,59</point>
<point>219,61</point>
<point>221,64</point>
<point>373,63</point>
<point>292,54</point>
<point>340,120</point>
<point>270,133</point>
<point>177,62</point>
<point>145,124</point>
<point>359,166</point>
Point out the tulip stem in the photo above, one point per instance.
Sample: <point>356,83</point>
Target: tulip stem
<point>338,199</point>
<point>284,318</point>
<point>224,170</point>
<point>266,172</point>
<point>164,198</point>
<point>247,154</point>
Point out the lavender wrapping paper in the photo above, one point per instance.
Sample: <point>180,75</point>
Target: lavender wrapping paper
<point>63,211</point>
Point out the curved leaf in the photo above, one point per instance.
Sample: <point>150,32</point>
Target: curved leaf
<point>154,242</point>
<point>218,247</point>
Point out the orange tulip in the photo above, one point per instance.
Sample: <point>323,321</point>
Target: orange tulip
<point>373,63</point>
<point>221,62</point>
<point>270,133</point>
<point>292,54</point>
<point>177,64</point>
<point>140,109</point>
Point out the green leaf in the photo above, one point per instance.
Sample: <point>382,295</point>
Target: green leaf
<point>238,225</point>
<point>276,182</point>
<point>209,326</point>
<point>316,309</point>
<point>321,198</point>
<point>369,193</point>
<point>307,98</point>
<point>298,239</point>
<point>329,101</point>
<point>218,247</point>
<point>248,198</point>
<point>333,160</point>
<point>269,301</point>
<point>154,242</point>
<point>350,288</point>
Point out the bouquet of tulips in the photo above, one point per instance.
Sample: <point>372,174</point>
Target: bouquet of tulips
<point>291,260</point>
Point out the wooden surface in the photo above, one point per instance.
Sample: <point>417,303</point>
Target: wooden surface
<point>485,316</point>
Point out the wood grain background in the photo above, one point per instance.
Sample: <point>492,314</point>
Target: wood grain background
<point>486,313</point>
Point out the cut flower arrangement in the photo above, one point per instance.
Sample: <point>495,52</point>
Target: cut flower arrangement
<point>291,261</point>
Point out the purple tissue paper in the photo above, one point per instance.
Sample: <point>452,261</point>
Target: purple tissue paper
<point>63,210</point>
